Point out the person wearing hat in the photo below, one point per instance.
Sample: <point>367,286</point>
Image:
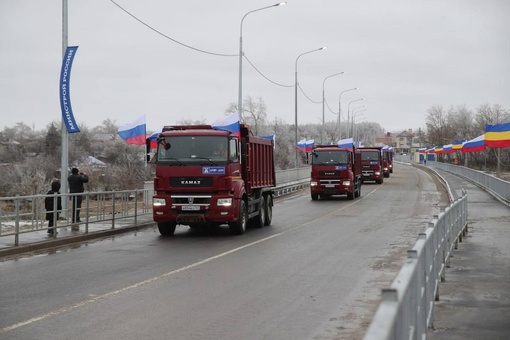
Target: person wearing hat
<point>76,180</point>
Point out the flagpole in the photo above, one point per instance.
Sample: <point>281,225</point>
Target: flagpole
<point>64,162</point>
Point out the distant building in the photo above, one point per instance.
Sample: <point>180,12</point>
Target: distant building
<point>385,140</point>
<point>404,141</point>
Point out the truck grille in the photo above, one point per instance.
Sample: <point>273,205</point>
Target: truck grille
<point>191,199</point>
<point>329,181</point>
<point>191,182</point>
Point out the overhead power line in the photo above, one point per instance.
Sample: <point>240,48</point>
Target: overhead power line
<point>194,48</point>
<point>170,38</point>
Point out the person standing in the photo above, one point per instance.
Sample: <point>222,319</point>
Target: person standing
<point>52,211</point>
<point>76,180</point>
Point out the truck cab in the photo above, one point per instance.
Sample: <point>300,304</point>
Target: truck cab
<point>335,171</point>
<point>371,164</point>
<point>387,156</point>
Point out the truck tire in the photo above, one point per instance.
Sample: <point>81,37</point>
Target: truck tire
<point>379,181</point>
<point>167,228</point>
<point>260,219</point>
<point>350,195</point>
<point>358,192</point>
<point>315,197</point>
<point>269,210</point>
<point>239,227</point>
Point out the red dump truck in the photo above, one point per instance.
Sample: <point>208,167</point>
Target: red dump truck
<point>387,156</point>
<point>335,171</point>
<point>371,164</point>
<point>208,177</point>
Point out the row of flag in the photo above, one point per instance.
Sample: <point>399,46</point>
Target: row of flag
<point>495,136</point>
<point>348,143</point>
<point>136,132</point>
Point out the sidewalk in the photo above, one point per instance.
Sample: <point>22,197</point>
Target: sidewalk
<point>39,239</point>
<point>474,301</point>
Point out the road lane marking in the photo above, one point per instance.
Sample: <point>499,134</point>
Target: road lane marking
<point>136,285</point>
<point>153,279</point>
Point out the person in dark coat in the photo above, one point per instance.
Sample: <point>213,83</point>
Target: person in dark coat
<point>76,180</point>
<point>52,212</point>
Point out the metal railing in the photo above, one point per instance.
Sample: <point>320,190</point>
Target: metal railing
<point>21,215</point>
<point>25,214</point>
<point>406,308</point>
<point>495,186</point>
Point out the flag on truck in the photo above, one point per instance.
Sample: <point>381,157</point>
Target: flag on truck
<point>305,145</point>
<point>134,132</point>
<point>229,123</point>
<point>497,136</point>
<point>270,137</point>
<point>346,143</point>
<point>153,138</point>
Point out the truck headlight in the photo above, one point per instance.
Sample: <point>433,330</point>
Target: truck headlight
<point>346,183</point>
<point>224,202</point>
<point>377,173</point>
<point>313,183</point>
<point>158,202</point>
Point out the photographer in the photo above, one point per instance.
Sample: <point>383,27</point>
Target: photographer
<point>76,180</point>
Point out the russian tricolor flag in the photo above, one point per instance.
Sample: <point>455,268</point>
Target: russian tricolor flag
<point>305,145</point>
<point>346,143</point>
<point>154,139</point>
<point>229,123</point>
<point>448,148</point>
<point>134,133</point>
<point>475,144</point>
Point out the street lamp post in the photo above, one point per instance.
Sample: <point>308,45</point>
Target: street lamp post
<point>354,115</point>
<point>324,81</point>
<point>240,92</point>
<point>295,97</point>
<point>340,110</point>
<point>349,112</point>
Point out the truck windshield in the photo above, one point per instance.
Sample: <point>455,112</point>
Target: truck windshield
<point>329,157</point>
<point>182,150</point>
<point>370,155</point>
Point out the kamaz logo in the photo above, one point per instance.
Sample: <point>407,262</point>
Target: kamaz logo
<point>191,182</point>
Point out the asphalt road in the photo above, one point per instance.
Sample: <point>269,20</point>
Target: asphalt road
<point>316,273</point>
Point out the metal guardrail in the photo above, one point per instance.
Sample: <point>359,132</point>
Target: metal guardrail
<point>495,186</point>
<point>406,308</point>
<point>107,210</point>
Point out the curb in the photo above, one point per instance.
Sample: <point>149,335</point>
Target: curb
<point>26,248</point>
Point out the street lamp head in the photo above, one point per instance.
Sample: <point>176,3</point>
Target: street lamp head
<point>280,4</point>
<point>323,48</point>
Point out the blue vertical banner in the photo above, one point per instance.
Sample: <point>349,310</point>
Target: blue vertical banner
<point>65,83</point>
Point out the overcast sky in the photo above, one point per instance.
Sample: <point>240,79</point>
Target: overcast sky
<point>404,55</point>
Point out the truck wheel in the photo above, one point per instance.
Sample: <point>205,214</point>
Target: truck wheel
<point>315,197</point>
<point>260,219</point>
<point>167,228</point>
<point>379,181</point>
<point>350,195</point>
<point>358,192</point>
<point>239,227</point>
<point>269,210</point>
